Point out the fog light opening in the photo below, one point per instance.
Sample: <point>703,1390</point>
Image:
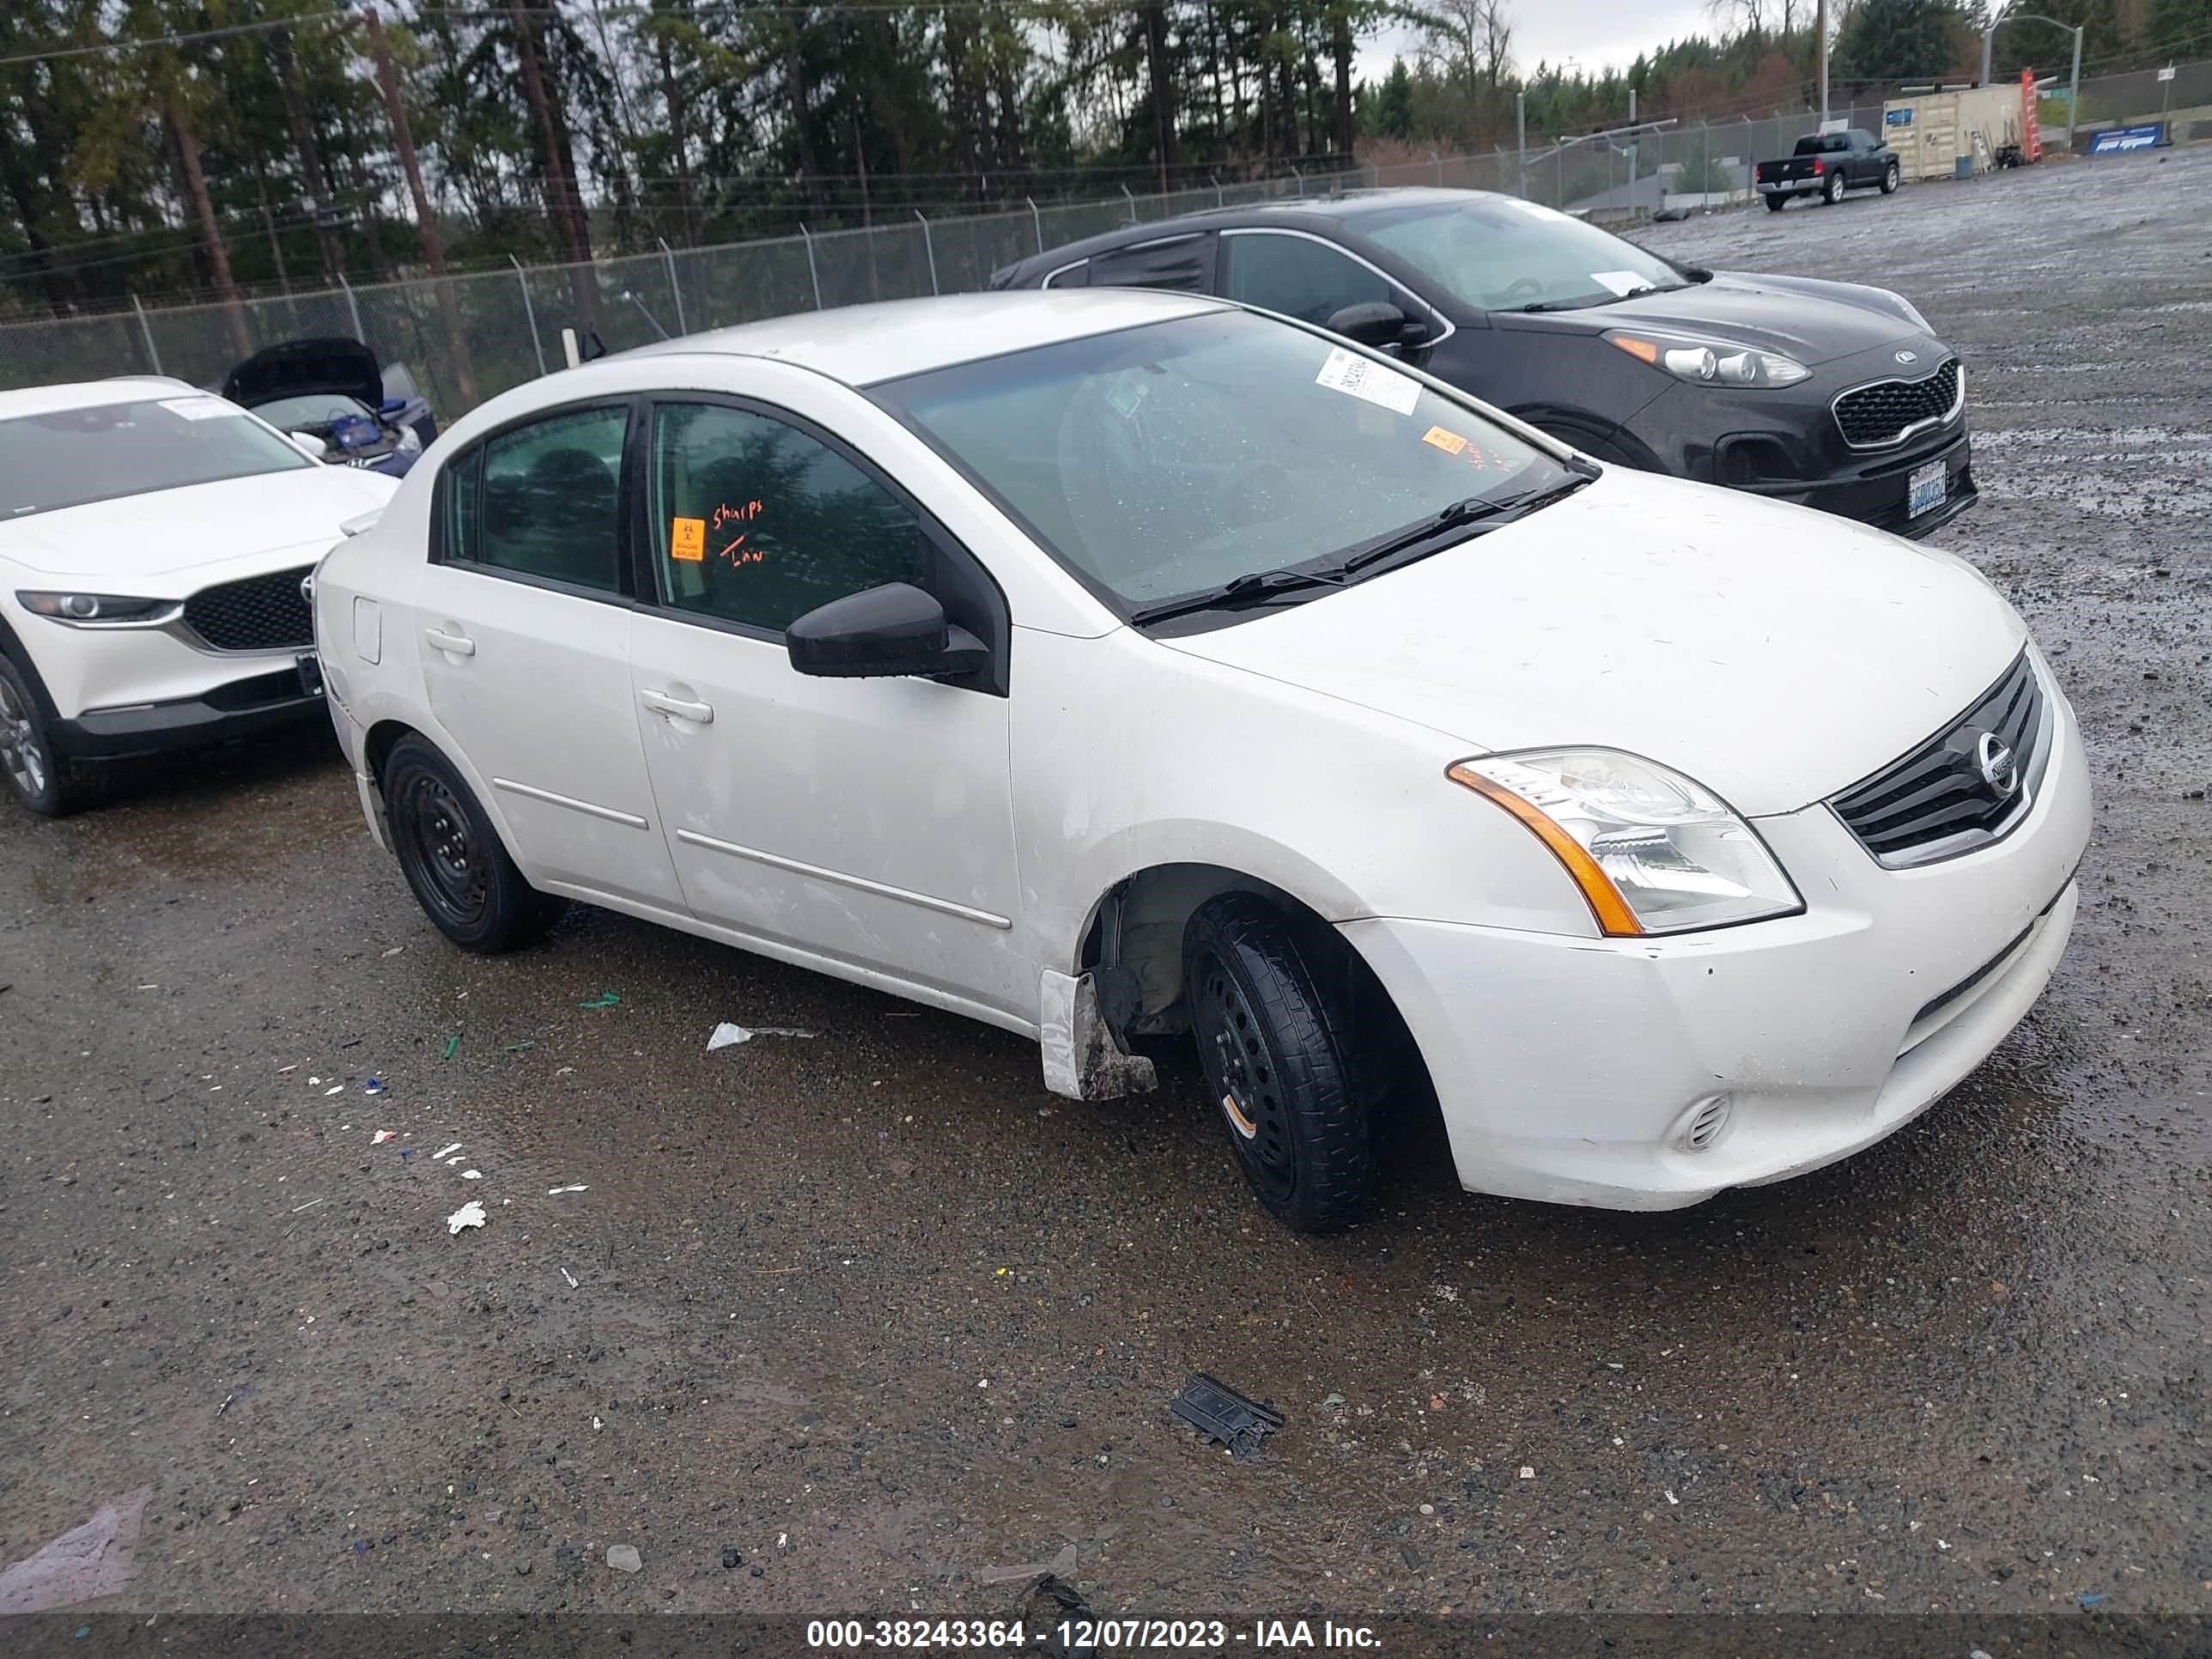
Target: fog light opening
<point>1707,1121</point>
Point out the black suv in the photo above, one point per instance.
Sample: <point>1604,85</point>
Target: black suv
<point>1830,394</point>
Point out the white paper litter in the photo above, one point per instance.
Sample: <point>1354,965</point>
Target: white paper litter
<point>555,1192</point>
<point>446,1152</point>
<point>727,1036</point>
<point>472,1174</point>
<point>470,1214</point>
<point>340,1090</point>
<point>383,1135</point>
<point>570,1277</point>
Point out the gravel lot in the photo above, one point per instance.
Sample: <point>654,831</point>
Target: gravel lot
<point>874,1311</point>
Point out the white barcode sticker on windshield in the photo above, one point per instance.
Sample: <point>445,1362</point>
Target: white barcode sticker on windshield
<point>1364,378</point>
<point>201,408</point>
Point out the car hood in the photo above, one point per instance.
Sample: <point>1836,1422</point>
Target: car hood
<point>150,545</point>
<point>298,367</point>
<point>1772,654</point>
<point>1810,320</point>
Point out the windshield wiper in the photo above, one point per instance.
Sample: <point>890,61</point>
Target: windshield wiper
<point>1251,588</point>
<point>1590,299</point>
<point>1479,514</point>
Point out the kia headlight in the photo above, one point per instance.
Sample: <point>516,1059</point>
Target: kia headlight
<point>1709,363</point>
<point>99,610</point>
<point>1651,851</point>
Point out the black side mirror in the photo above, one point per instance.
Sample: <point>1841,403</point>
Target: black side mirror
<point>881,632</point>
<point>1378,323</point>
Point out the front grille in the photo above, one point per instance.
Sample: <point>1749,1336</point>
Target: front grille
<point>1878,415</point>
<point>1936,801</point>
<point>260,613</point>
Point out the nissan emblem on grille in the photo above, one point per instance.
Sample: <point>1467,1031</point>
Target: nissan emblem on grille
<point>1961,789</point>
<point>1993,758</point>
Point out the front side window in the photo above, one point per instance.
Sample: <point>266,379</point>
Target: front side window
<point>756,523</point>
<point>1162,461</point>
<point>1501,253</point>
<point>545,500</point>
<point>1300,278</point>
<point>70,457</point>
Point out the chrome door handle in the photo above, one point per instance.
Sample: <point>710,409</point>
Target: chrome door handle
<point>453,642</point>
<point>701,712</point>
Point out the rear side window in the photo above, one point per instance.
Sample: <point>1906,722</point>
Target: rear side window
<point>1185,263</point>
<point>545,500</point>
<point>756,522</point>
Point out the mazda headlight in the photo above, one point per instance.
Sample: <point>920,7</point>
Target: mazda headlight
<point>1711,362</point>
<point>99,610</point>
<point>1651,851</point>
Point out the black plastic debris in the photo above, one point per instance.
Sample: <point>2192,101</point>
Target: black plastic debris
<point>1049,1604</point>
<point>1218,1411</point>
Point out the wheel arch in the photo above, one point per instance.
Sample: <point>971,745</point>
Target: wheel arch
<point>384,735</point>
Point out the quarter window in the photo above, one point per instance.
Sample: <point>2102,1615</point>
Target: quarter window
<point>756,523</point>
<point>545,500</point>
<point>1301,278</point>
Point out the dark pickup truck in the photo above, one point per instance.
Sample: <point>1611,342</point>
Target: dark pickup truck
<point>1825,165</point>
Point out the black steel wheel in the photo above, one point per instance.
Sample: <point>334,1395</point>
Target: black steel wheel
<point>42,780</point>
<point>1276,1050</point>
<point>452,858</point>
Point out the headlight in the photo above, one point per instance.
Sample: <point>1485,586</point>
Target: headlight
<point>409,441</point>
<point>1652,851</point>
<point>99,610</point>
<point>1716,363</point>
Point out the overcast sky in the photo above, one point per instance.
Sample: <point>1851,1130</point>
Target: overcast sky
<point>1592,33</point>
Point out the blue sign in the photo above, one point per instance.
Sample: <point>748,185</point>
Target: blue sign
<point>1897,118</point>
<point>2118,141</point>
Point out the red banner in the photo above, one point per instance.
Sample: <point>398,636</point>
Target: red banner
<point>2031,123</point>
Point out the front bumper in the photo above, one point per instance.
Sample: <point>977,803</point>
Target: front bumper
<point>1576,1070</point>
<point>1877,492</point>
<point>251,708</point>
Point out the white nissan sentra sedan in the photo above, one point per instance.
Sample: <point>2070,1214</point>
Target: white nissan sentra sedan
<point>1104,664</point>
<point>152,542</point>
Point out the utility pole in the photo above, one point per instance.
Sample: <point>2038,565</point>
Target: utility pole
<point>218,257</point>
<point>434,245</point>
<point>1821,44</point>
<point>311,162</point>
<point>1521,138</point>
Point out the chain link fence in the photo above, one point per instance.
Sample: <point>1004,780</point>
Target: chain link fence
<point>469,338</point>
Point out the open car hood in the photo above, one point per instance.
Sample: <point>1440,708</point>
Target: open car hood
<point>299,367</point>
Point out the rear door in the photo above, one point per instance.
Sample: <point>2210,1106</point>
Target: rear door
<point>525,612</point>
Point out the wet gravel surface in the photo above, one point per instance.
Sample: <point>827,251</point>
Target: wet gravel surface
<point>870,1314</point>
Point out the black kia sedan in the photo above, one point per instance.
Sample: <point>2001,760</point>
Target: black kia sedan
<point>1831,394</point>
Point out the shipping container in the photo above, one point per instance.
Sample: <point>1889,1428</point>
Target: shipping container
<point>1930,132</point>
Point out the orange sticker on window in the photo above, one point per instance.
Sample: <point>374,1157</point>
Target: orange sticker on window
<point>687,540</point>
<point>1450,442</point>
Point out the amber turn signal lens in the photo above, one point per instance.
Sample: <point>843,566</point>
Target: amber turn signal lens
<point>1610,910</point>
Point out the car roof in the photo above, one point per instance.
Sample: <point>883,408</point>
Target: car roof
<point>90,394</point>
<point>1345,209</point>
<point>865,344</point>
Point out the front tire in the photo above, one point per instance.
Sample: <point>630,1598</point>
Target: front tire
<point>1276,1046</point>
<point>43,780</point>
<point>452,858</point>
<point>1832,192</point>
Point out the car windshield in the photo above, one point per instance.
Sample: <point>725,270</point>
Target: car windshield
<point>314,409</point>
<point>1501,253</point>
<point>68,457</point>
<point>1167,460</point>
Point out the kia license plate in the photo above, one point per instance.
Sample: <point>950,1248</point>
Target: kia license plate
<point>1927,489</point>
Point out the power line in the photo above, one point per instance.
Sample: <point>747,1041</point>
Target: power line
<point>105,46</point>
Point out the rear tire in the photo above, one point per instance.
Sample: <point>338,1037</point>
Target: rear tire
<point>1832,192</point>
<point>1889,179</point>
<point>1775,203</point>
<point>1276,1045</point>
<point>453,860</point>
<point>48,783</point>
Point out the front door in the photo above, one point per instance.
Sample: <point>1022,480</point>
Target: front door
<point>865,822</point>
<point>525,652</point>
